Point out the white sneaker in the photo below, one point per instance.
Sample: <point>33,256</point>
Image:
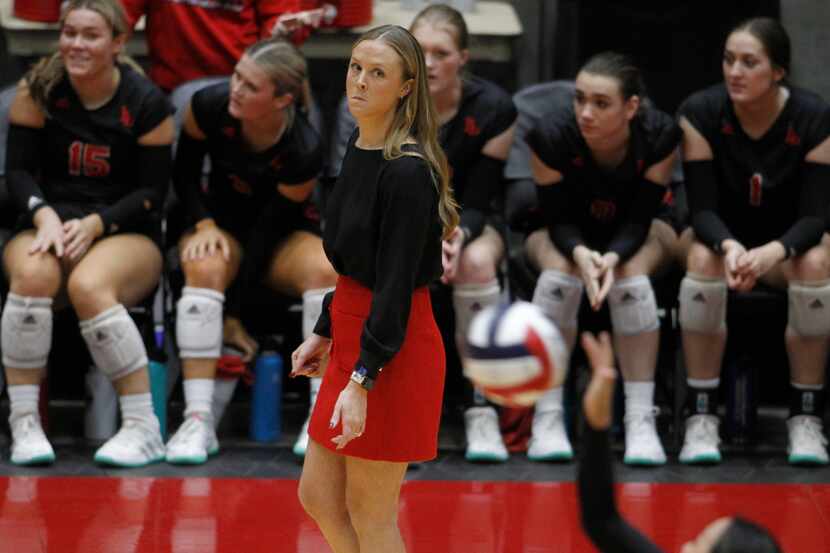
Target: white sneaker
<point>193,442</point>
<point>29,443</point>
<point>807,444</point>
<point>548,439</point>
<point>136,444</point>
<point>642,444</point>
<point>700,445</point>
<point>484,441</point>
<point>301,445</point>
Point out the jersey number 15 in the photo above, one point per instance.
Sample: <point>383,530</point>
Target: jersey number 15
<point>89,160</point>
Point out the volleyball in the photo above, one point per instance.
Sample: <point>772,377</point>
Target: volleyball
<point>514,354</point>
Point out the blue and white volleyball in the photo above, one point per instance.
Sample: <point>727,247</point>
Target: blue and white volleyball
<point>514,354</point>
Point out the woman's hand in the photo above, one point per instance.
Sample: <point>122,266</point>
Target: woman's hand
<point>350,410</point>
<point>590,266</point>
<point>610,261</point>
<point>598,397</point>
<point>451,254</point>
<point>311,357</point>
<point>205,242</point>
<point>733,252</point>
<point>236,335</point>
<point>756,262</point>
<point>49,233</point>
<point>79,234</point>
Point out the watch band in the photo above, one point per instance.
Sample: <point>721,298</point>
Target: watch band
<point>361,376</point>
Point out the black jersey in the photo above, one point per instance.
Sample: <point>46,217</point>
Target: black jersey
<point>760,184</point>
<point>383,230</point>
<point>243,183</point>
<point>485,111</point>
<point>92,156</point>
<point>600,202</point>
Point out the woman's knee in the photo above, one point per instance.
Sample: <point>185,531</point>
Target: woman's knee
<point>814,264</point>
<point>37,276</point>
<point>90,292</point>
<point>317,501</point>
<point>209,272</point>
<point>477,264</point>
<point>320,274</point>
<point>703,261</point>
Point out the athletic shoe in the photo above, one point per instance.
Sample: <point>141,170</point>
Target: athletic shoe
<point>193,442</point>
<point>700,445</point>
<point>807,444</point>
<point>136,444</point>
<point>642,444</point>
<point>484,441</point>
<point>301,445</point>
<point>29,443</point>
<point>548,439</point>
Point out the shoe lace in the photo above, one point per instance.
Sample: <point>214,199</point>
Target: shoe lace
<point>548,421</point>
<point>132,433</point>
<point>642,420</point>
<point>808,428</point>
<point>704,429</point>
<point>25,426</point>
<point>191,427</point>
<point>482,429</point>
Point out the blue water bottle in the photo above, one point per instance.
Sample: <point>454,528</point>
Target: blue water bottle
<point>266,400</point>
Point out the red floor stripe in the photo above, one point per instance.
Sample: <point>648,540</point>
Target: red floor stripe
<point>201,515</point>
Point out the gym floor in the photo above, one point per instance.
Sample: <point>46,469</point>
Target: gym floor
<point>244,499</point>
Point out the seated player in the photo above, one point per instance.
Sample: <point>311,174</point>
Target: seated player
<point>602,168</point>
<point>88,166</point>
<point>253,223</point>
<point>757,167</point>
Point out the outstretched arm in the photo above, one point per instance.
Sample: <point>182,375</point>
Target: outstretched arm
<point>600,518</point>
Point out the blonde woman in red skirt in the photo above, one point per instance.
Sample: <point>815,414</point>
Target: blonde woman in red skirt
<point>380,402</point>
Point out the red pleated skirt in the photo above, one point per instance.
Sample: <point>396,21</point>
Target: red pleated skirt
<point>404,408</point>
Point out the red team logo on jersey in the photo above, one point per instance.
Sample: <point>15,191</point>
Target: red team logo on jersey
<point>276,163</point>
<point>62,103</point>
<point>578,161</point>
<point>603,210</point>
<point>240,185</point>
<point>727,128</point>
<point>230,132</point>
<point>641,164</point>
<point>471,127</point>
<point>756,187</point>
<point>792,138</point>
<point>126,117</point>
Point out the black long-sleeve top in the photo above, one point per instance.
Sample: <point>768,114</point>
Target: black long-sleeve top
<point>600,518</point>
<point>757,191</point>
<point>90,161</point>
<point>383,230</point>
<point>607,210</point>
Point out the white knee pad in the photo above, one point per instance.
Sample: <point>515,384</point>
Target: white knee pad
<point>809,308</point>
<point>312,307</point>
<point>114,342</point>
<point>26,331</point>
<point>199,323</point>
<point>702,305</point>
<point>633,306</point>
<point>469,299</point>
<point>559,296</point>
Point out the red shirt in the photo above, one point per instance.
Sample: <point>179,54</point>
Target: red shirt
<point>189,39</point>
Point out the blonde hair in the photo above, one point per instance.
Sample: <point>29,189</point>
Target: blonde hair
<point>48,72</point>
<point>415,117</point>
<point>287,68</point>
